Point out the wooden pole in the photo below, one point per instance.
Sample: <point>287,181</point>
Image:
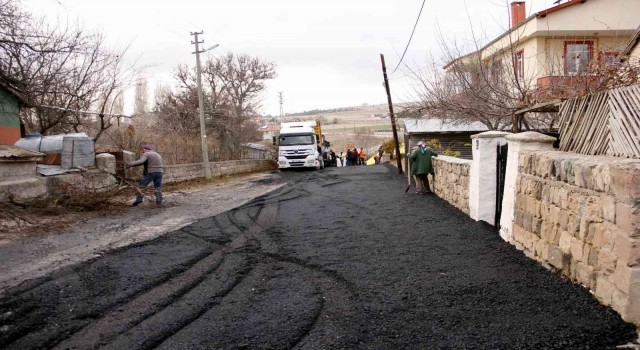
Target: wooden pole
<point>393,117</point>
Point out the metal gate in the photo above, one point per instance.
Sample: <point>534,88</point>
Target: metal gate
<point>501,169</point>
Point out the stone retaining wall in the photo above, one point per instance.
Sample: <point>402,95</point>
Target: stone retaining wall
<point>581,215</point>
<point>182,172</point>
<point>451,181</point>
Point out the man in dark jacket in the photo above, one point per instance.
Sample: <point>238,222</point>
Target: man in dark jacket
<point>422,166</point>
<point>153,164</point>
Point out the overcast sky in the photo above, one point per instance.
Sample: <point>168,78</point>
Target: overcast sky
<point>326,52</point>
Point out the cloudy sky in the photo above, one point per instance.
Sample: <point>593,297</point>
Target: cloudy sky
<point>326,52</point>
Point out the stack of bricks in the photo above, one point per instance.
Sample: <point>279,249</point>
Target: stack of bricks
<point>451,181</point>
<point>581,215</point>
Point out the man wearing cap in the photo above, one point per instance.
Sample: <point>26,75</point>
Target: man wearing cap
<point>153,172</point>
<point>422,166</point>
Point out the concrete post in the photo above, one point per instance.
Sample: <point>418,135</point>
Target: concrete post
<point>482,177</point>
<point>526,141</point>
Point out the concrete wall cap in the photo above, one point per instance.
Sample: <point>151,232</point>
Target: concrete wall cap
<point>454,160</point>
<point>531,136</point>
<point>490,134</point>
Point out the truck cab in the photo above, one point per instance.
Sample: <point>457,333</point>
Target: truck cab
<point>298,146</point>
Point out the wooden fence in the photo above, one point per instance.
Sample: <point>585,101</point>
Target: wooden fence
<point>606,123</point>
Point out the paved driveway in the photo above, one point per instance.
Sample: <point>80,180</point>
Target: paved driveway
<point>340,258</point>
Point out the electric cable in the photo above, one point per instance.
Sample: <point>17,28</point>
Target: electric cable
<point>411,37</point>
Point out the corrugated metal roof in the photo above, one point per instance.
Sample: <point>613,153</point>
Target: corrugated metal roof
<point>418,126</point>
<point>255,146</point>
<point>17,153</point>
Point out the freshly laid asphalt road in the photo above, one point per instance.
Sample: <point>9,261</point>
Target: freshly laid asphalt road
<point>340,258</point>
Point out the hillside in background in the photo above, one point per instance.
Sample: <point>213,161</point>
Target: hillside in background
<point>362,126</point>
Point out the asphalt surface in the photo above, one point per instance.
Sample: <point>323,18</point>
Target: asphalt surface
<point>340,258</point>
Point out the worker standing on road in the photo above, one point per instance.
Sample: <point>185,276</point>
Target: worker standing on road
<point>363,156</point>
<point>380,153</point>
<point>153,173</point>
<point>341,157</point>
<point>422,167</point>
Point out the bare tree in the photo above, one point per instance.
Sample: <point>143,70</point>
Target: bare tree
<point>231,89</point>
<point>64,72</point>
<point>242,79</point>
<point>472,88</point>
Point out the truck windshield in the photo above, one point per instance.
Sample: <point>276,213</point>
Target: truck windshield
<point>294,140</point>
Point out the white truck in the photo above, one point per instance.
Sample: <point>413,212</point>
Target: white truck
<point>299,145</point>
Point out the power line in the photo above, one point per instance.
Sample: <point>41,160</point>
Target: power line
<point>411,37</point>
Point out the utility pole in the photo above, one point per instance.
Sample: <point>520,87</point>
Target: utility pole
<point>203,131</point>
<point>391,115</point>
<point>281,97</point>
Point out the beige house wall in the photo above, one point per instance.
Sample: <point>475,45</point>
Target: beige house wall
<point>592,16</point>
<point>608,23</point>
<point>553,63</point>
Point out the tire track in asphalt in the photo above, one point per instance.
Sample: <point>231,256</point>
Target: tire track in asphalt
<point>269,309</point>
<point>69,302</point>
<point>335,302</point>
<point>146,304</point>
<point>339,303</point>
<point>206,295</point>
<point>218,229</point>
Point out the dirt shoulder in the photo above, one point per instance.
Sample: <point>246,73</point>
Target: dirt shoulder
<point>49,242</point>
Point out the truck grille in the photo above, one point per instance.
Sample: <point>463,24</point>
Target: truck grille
<point>296,156</point>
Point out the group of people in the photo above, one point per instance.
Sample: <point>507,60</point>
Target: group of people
<point>357,156</point>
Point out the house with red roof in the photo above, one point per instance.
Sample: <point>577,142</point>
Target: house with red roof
<point>562,48</point>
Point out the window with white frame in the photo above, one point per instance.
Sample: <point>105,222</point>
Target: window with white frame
<point>518,62</point>
<point>577,57</point>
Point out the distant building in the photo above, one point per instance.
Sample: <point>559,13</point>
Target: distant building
<point>270,131</point>
<point>254,151</point>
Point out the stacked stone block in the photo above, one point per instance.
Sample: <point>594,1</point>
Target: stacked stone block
<point>581,215</point>
<point>451,181</point>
